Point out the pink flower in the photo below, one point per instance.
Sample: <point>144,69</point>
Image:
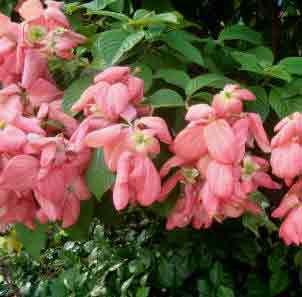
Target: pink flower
<point>286,161</point>
<point>115,94</point>
<point>137,180</point>
<point>62,42</point>
<point>142,138</point>
<point>291,229</point>
<point>254,175</point>
<point>229,100</point>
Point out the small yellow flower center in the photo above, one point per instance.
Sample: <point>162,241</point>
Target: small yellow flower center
<point>141,141</point>
<point>227,96</point>
<point>36,34</point>
<point>249,167</point>
<point>2,124</point>
<point>190,174</point>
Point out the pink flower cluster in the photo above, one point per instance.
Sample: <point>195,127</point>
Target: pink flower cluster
<point>42,164</point>
<point>40,177</point>
<point>216,171</point>
<point>286,161</point>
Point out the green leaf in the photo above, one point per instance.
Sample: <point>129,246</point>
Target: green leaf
<point>149,19</point>
<point>206,80</point>
<point>217,274</point>
<point>172,271</point>
<point>98,177</point>
<point>263,54</point>
<point>115,15</point>
<point>240,32</point>
<point>292,65</point>
<point>256,287</point>
<point>98,4</point>
<point>248,62</point>
<point>79,231</point>
<point>74,92</point>
<point>130,42</point>
<point>279,282</point>
<point>178,42</point>
<point>108,44</point>
<point>33,241</point>
<point>283,105</point>
<point>143,292</point>
<point>146,75</point>
<point>7,6</point>
<point>253,223</point>
<point>57,288</point>
<point>261,104</point>
<point>278,71</point>
<point>204,288</point>
<point>165,98</point>
<point>278,258</point>
<point>225,292</point>
<point>174,77</point>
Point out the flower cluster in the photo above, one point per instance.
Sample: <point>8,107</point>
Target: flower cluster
<point>286,161</point>
<point>40,177</point>
<point>216,171</point>
<point>44,152</point>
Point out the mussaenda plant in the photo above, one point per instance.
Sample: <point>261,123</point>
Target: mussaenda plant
<point>45,152</point>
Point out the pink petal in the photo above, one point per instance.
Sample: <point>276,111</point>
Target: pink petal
<point>20,173</point>
<point>121,191</point>
<point>224,106</point>
<point>71,211</point>
<point>244,94</point>
<point>171,163</point>
<point>146,181</point>
<point>262,179</point>
<point>221,141</point>
<point>136,89</point>
<point>116,102</point>
<point>169,185</point>
<point>190,144</point>
<point>200,111</point>
<point>43,91</point>
<point>258,132</point>
<point>220,179</point>
<point>105,136</point>
<point>286,160</point>
<point>210,202</point>
<point>113,74</point>
<point>35,66</point>
<point>159,126</point>
<point>31,9</point>
<point>241,130</point>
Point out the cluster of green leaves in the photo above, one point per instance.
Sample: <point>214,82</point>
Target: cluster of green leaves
<point>141,259</point>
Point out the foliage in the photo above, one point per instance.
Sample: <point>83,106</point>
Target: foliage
<point>140,259</point>
<point>185,52</point>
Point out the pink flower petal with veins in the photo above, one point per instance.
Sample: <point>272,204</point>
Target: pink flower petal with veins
<point>221,141</point>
